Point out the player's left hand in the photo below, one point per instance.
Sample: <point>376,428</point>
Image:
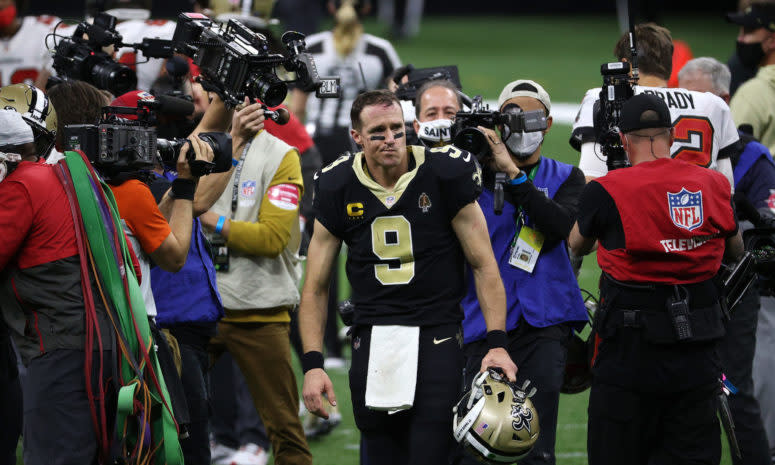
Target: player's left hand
<point>499,358</point>
<point>501,159</point>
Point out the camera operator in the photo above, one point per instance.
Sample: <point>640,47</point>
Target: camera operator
<point>436,104</point>
<point>663,226</point>
<point>257,220</point>
<point>705,133</point>
<point>754,172</point>
<point>44,306</point>
<point>544,300</point>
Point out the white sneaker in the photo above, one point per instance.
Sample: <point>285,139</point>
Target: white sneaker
<point>220,454</point>
<point>250,454</point>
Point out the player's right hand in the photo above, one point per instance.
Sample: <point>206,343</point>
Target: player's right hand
<point>246,122</point>
<point>317,383</point>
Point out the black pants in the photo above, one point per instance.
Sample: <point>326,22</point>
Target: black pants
<point>196,386</point>
<point>423,434</point>
<point>654,403</point>
<point>58,428</point>
<point>10,401</point>
<point>627,426</point>
<point>540,355</point>
<point>737,352</point>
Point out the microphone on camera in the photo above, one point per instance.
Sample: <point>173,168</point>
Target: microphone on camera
<point>169,106</point>
<point>279,116</point>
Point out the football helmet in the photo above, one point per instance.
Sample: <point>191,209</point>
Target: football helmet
<point>496,420</point>
<point>36,110</point>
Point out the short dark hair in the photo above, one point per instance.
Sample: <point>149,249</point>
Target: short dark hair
<point>370,98</point>
<point>76,102</point>
<point>655,49</point>
<point>446,83</point>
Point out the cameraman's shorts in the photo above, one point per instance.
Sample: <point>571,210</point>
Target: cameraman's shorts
<point>423,434</point>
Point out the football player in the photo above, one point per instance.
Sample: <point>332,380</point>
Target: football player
<point>24,57</point>
<point>704,131</point>
<point>410,219</point>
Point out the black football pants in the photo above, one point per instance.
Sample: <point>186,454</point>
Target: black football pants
<point>421,435</point>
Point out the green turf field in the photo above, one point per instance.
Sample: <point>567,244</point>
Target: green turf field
<point>564,55</point>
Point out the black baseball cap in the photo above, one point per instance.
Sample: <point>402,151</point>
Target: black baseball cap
<point>644,111</point>
<point>755,16</point>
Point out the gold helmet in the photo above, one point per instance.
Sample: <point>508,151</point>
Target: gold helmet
<point>36,110</point>
<point>496,420</point>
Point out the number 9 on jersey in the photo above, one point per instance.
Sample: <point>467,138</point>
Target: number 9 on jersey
<point>391,239</point>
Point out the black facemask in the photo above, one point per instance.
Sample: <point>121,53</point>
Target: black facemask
<point>750,54</point>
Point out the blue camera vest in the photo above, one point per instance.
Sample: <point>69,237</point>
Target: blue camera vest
<point>550,294</point>
<point>190,295</point>
<point>751,154</point>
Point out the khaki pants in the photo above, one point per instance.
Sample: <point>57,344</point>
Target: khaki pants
<point>262,351</point>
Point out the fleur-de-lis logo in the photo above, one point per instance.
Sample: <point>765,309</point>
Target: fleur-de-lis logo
<point>522,417</point>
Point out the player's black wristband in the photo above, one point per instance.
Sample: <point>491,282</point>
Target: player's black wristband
<point>497,339</point>
<point>311,360</point>
<point>183,189</point>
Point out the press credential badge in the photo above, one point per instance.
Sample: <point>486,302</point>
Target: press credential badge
<point>524,253</point>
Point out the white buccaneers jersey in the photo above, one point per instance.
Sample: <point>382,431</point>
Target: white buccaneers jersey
<point>23,56</point>
<point>374,56</point>
<point>704,131</point>
<point>134,31</point>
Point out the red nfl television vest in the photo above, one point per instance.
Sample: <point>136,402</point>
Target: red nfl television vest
<point>676,217</point>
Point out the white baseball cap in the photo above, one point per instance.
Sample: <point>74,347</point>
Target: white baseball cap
<point>525,88</point>
<point>13,129</point>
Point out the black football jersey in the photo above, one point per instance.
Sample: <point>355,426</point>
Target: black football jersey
<point>404,261</point>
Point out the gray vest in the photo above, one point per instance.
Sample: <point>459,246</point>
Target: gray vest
<point>255,282</point>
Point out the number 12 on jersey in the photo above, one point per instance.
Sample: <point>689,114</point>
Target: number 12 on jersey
<point>391,240</point>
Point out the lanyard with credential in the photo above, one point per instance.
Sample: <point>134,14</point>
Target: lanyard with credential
<point>237,174</point>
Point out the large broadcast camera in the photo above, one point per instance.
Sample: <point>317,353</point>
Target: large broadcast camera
<point>81,57</point>
<point>466,135</point>
<point>616,90</point>
<point>117,145</point>
<point>236,62</point>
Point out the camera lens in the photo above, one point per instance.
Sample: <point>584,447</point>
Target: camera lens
<point>114,77</point>
<point>472,140</point>
<point>268,88</point>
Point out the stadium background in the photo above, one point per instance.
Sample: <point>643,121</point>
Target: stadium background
<point>560,45</point>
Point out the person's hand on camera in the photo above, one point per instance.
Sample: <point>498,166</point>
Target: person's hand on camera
<point>246,123</point>
<point>501,160</point>
<point>202,151</point>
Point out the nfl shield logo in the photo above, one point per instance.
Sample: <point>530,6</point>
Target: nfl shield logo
<point>249,189</point>
<point>686,209</point>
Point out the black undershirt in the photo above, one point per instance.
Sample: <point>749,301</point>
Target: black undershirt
<point>598,217</point>
<point>553,217</point>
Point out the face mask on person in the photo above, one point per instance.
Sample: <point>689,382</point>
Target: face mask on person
<point>750,54</point>
<point>436,132</point>
<point>523,144</point>
<point>7,15</point>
